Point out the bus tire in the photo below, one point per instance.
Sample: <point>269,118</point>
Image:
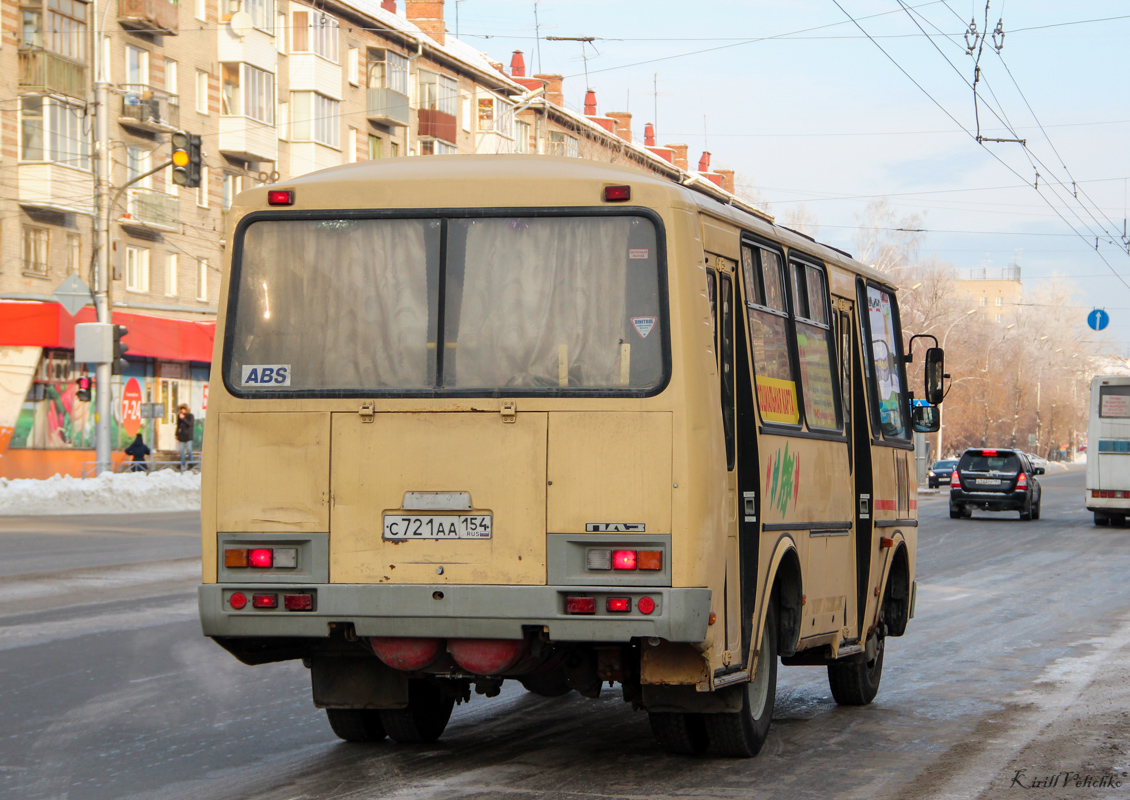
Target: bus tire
<point>1101,519</point>
<point>855,683</point>
<point>679,732</point>
<point>356,724</point>
<point>742,734</point>
<point>425,718</point>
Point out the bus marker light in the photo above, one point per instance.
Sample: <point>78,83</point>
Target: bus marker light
<point>713,618</point>
<point>265,600</point>
<point>237,600</point>
<point>580,605</point>
<point>618,604</point>
<point>298,602</point>
<point>286,557</point>
<point>617,194</point>
<point>235,557</point>
<point>280,197</point>
<point>599,559</point>
<point>646,605</point>
<point>261,557</point>
<point>624,559</point>
<point>885,542</point>
<point>650,559</point>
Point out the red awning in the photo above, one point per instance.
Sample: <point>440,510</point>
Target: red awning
<point>49,325</point>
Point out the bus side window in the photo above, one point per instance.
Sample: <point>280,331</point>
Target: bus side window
<point>882,351</point>
<point>816,345</point>
<point>726,339</point>
<point>774,364</point>
<point>712,297</point>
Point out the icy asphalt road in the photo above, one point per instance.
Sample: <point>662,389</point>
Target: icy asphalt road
<point>1014,672</point>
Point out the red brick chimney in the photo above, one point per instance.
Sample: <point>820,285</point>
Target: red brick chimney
<point>704,162</point>
<point>517,63</point>
<point>649,135</point>
<point>680,151</point>
<point>389,6</point>
<point>590,103</point>
<point>727,179</point>
<point>428,17</point>
<point>553,92</point>
<point>623,124</point>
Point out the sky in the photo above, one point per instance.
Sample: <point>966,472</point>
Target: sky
<point>818,112</point>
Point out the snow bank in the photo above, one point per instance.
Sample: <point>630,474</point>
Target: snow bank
<point>164,490</point>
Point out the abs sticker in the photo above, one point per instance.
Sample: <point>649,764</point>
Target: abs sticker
<point>643,325</point>
<point>638,253</point>
<point>266,375</point>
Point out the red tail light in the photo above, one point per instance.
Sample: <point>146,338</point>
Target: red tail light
<point>618,604</point>
<point>646,605</point>
<point>237,600</point>
<point>955,478</point>
<point>265,600</point>
<point>298,602</point>
<point>580,605</point>
<point>262,557</point>
<point>988,452</point>
<point>1022,482</point>
<point>624,559</point>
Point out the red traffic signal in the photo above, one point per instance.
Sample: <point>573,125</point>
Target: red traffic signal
<point>84,383</point>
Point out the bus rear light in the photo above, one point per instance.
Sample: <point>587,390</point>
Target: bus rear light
<point>618,604</point>
<point>646,605</point>
<point>624,559</point>
<point>235,557</point>
<point>617,194</point>
<point>1110,493</point>
<point>265,600</point>
<point>599,559</point>
<point>286,557</point>
<point>261,558</point>
<point>650,559</point>
<point>280,197</point>
<point>580,605</point>
<point>298,602</point>
<point>237,600</point>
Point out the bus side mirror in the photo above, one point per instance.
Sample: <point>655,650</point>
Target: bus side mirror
<point>935,374</point>
<point>925,419</point>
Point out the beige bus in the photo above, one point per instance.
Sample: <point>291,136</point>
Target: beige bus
<point>478,418</point>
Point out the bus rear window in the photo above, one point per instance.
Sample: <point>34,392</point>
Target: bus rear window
<point>483,305</point>
<point>1114,402</point>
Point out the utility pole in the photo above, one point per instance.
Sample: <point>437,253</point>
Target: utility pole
<point>102,184</point>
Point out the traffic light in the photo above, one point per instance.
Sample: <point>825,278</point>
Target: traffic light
<point>187,159</point>
<point>83,393</point>
<point>118,365</point>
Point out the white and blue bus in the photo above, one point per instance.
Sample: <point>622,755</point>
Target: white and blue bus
<point>1108,450</point>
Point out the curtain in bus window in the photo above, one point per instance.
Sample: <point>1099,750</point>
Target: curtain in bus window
<point>550,303</point>
<point>884,357</point>
<point>343,303</point>
<point>1114,402</point>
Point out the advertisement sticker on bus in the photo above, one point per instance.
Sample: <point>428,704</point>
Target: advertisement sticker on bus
<point>1114,405</point>
<point>266,375</point>
<point>777,400</point>
<point>643,325</point>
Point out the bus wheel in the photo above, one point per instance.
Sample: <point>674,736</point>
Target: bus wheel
<point>356,724</point>
<point>425,718</point>
<point>1101,519</point>
<point>680,733</point>
<point>855,683</point>
<point>743,733</point>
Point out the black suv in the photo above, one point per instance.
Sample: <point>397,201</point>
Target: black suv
<point>940,472</point>
<point>995,480</point>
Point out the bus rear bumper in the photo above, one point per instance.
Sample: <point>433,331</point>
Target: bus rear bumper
<point>477,612</point>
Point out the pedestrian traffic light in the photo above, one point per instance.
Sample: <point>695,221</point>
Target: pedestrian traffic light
<point>118,365</point>
<point>187,159</point>
<point>83,392</point>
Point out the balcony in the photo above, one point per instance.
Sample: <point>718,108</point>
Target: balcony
<point>147,208</point>
<point>387,107</point>
<point>44,72</point>
<point>155,16</point>
<point>437,125</point>
<point>248,139</point>
<point>52,186</point>
<point>149,109</point>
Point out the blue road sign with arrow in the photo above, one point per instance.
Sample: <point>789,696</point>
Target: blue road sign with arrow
<point>1098,319</point>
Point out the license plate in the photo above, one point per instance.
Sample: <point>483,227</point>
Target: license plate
<point>437,526</point>
<point>988,482</point>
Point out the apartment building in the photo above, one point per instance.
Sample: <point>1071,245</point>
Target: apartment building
<point>275,89</point>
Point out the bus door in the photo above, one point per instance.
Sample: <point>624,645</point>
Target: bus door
<point>859,449</point>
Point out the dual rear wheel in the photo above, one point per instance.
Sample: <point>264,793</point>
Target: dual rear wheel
<point>424,720</point>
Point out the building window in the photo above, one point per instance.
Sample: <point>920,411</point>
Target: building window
<point>202,189</point>
<point>387,70</point>
<point>521,137</point>
<point>496,116</point>
<point>353,65</point>
<point>171,265</point>
<point>374,147</point>
<point>53,130</point>
<point>66,29</point>
<point>438,93</point>
<point>1000,302</point>
<point>202,91</point>
<point>315,32</point>
<point>984,302</point>
<point>170,187</point>
<point>351,144</point>
<point>434,147</point>
<point>36,243</point>
<point>202,9</point>
<point>137,269</point>
<point>248,92</point>
<point>201,279</point>
<point>394,148</point>
<point>562,144</point>
<point>262,13</point>
<point>137,164</point>
<point>171,79</point>
<point>137,66</point>
<point>74,253</point>
<point>315,119</point>
<point>280,32</point>
<point>999,317</point>
<point>233,185</point>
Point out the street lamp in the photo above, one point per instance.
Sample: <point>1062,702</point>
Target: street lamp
<point>945,336</point>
